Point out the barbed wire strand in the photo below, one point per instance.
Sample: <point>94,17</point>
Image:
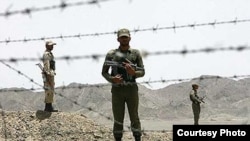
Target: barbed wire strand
<point>62,5</point>
<point>135,30</point>
<point>100,85</point>
<point>21,73</point>
<point>144,54</point>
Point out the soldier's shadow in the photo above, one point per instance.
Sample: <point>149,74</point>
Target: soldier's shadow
<point>41,115</point>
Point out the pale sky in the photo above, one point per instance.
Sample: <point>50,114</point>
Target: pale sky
<point>108,16</point>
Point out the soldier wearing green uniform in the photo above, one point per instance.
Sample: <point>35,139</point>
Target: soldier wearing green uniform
<point>48,76</point>
<point>196,100</point>
<point>124,88</point>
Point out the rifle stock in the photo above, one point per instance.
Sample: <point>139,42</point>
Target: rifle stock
<point>201,99</point>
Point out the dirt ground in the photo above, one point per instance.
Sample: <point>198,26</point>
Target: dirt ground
<point>166,125</point>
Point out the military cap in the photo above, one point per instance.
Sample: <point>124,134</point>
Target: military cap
<point>123,32</point>
<point>50,43</point>
<point>195,85</point>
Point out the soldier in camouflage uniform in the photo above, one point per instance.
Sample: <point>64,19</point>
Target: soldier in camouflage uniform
<point>196,100</point>
<point>124,88</point>
<point>48,76</point>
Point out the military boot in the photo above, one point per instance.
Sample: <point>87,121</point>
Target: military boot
<point>118,139</point>
<point>137,138</point>
<point>47,107</point>
<point>51,109</point>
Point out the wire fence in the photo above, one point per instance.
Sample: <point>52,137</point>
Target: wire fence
<point>64,5</point>
<point>135,30</point>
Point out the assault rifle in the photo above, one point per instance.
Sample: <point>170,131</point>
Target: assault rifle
<point>44,75</point>
<point>40,66</point>
<point>201,99</point>
<point>43,72</point>
<point>117,64</point>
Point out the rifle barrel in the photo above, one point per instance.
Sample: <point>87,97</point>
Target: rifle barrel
<point>40,66</point>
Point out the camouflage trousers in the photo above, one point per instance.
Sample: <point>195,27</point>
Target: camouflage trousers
<point>121,96</point>
<point>196,111</point>
<point>49,85</point>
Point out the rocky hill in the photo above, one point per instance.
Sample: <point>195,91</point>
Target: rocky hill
<point>61,126</point>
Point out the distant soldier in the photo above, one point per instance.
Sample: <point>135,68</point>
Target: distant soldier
<point>48,76</point>
<point>196,100</point>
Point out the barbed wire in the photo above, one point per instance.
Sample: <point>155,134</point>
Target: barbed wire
<point>144,54</point>
<point>62,5</point>
<point>101,85</point>
<point>81,86</point>
<point>144,82</point>
<point>22,74</point>
<point>101,114</point>
<point>135,30</point>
